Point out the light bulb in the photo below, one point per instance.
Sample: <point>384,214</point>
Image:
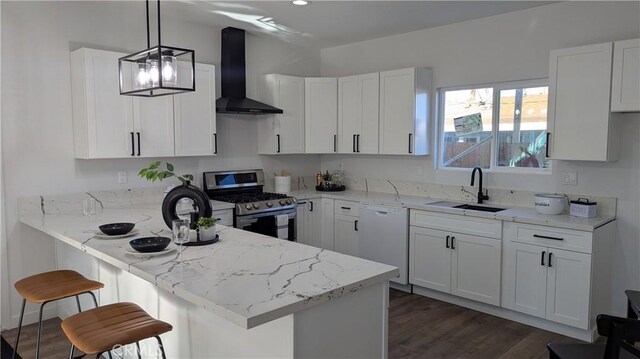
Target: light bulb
<point>169,70</point>
<point>154,72</point>
<point>300,2</point>
<point>142,80</point>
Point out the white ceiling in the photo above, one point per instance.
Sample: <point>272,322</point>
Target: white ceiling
<point>324,24</point>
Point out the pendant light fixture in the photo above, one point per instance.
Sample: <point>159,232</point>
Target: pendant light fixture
<point>157,71</point>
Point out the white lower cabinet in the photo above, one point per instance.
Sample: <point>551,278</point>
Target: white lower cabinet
<point>545,281</point>
<point>223,217</point>
<point>327,224</point>
<point>463,265</point>
<point>346,234</point>
<point>309,222</point>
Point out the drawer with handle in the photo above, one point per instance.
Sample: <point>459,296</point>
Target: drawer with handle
<point>578,241</point>
<point>347,208</point>
<point>223,217</point>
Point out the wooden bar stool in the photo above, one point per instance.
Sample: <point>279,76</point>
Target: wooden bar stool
<point>47,287</point>
<point>100,330</point>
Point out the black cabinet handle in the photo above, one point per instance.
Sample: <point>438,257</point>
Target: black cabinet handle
<point>547,237</point>
<point>218,219</point>
<point>335,143</point>
<point>311,209</point>
<point>358,143</point>
<point>354,142</point>
<point>278,144</point>
<point>138,133</point>
<point>452,239</point>
<point>133,145</point>
<point>347,208</point>
<point>542,258</point>
<point>215,143</point>
<point>356,225</point>
<point>410,147</point>
<point>546,154</point>
<point>447,242</point>
<point>550,254</point>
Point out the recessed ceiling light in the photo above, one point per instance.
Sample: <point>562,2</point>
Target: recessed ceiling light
<point>300,2</point>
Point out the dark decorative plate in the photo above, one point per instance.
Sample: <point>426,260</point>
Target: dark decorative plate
<point>150,244</point>
<point>116,229</point>
<point>202,243</point>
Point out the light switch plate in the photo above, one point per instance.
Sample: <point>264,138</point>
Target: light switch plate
<point>570,178</point>
<point>122,177</point>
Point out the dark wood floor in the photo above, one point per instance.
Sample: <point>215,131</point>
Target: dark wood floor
<point>419,327</point>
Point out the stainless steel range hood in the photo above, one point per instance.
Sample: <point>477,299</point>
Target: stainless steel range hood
<point>233,78</point>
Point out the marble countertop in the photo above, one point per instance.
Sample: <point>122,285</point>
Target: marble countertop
<point>246,278</point>
<point>512,214</point>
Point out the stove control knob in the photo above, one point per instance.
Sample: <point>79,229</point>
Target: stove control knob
<point>289,201</point>
<point>256,205</point>
<point>269,204</point>
<point>248,206</point>
<point>283,202</point>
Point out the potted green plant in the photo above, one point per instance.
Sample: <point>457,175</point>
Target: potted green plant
<point>327,177</point>
<point>207,228</point>
<point>155,172</point>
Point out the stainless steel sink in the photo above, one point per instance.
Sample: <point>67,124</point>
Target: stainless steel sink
<point>479,208</point>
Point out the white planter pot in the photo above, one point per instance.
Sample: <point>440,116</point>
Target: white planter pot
<point>207,234</point>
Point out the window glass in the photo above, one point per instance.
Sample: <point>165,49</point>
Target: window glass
<point>467,128</point>
<point>522,127</point>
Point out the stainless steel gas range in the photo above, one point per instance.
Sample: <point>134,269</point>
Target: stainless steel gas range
<point>271,214</point>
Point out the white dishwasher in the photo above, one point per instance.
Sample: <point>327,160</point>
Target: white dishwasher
<point>383,237</point>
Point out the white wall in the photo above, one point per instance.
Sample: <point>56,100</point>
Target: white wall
<point>509,47</point>
<point>37,134</point>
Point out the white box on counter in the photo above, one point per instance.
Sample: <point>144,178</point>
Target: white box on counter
<point>583,208</point>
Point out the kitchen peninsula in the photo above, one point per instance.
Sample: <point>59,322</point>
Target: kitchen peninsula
<point>247,296</point>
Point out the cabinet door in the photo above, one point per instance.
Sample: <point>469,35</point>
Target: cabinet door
<point>314,213</point>
<point>195,115</point>
<point>369,109</point>
<point>321,115</point>
<point>327,224</point>
<point>153,123</point>
<point>102,118</point>
<point>568,285</point>
<point>429,259</point>
<point>349,107</point>
<point>290,98</point>
<point>525,279</point>
<point>475,268</point>
<point>625,87</point>
<point>346,235</point>
<point>302,222</point>
<point>579,96</point>
<point>397,95</point>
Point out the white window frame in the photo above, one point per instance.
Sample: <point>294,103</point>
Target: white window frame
<point>497,87</point>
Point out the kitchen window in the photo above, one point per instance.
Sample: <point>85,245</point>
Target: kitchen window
<point>500,127</point>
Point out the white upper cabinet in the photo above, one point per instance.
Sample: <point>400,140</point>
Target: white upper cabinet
<point>321,114</point>
<point>358,113</point>
<point>579,116</point>
<point>109,125</point>
<point>102,118</point>
<point>625,87</point>
<point>405,98</point>
<point>195,115</point>
<point>282,133</point>
<point>153,126</point>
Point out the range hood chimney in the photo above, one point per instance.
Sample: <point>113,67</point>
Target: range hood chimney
<point>233,78</point>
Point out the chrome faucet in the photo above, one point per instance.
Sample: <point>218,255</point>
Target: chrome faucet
<point>481,196</point>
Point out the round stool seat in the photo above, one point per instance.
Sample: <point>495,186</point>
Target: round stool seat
<point>101,329</point>
<point>54,285</point>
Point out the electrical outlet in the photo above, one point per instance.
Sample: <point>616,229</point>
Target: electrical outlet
<point>570,178</point>
<point>122,177</point>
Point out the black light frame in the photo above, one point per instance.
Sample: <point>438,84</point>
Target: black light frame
<point>157,52</point>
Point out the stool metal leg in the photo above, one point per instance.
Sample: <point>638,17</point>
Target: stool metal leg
<point>15,348</point>
<point>161,347</point>
<point>78,303</point>
<point>71,351</point>
<point>138,350</point>
<point>95,301</point>
<point>39,330</point>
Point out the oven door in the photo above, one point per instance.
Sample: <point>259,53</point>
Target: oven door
<point>266,223</point>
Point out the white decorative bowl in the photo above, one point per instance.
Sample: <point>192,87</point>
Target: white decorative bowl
<point>550,203</point>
